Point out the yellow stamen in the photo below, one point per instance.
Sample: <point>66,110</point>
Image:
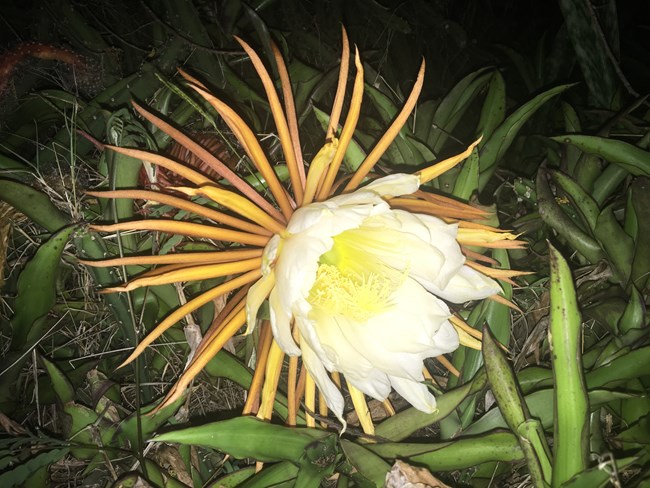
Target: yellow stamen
<point>189,307</point>
<point>475,213</point>
<point>479,257</point>
<point>436,209</point>
<point>347,131</point>
<point>290,110</point>
<point>317,168</point>
<point>459,323</point>
<point>237,203</point>
<point>428,174</point>
<point>504,301</point>
<point>187,173</point>
<point>209,158</point>
<point>254,150</point>
<point>310,399</point>
<point>488,238</point>
<point>322,408</point>
<point>447,364</point>
<point>388,407</point>
<point>361,408</point>
<point>273,369</point>
<point>199,361</point>
<point>188,229</point>
<point>337,106</point>
<point>291,391</point>
<point>179,258</point>
<point>191,273</point>
<point>468,341</point>
<point>349,294</point>
<point>195,208</point>
<point>389,136</point>
<point>280,120</point>
<point>501,274</point>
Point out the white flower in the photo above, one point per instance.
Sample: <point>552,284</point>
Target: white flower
<point>363,284</point>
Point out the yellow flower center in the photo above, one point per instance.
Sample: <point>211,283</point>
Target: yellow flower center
<point>358,297</point>
<point>351,281</point>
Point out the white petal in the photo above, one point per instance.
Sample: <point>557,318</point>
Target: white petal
<point>330,218</point>
<point>270,253</point>
<point>394,185</point>
<point>332,395</point>
<point>466,285</point>
<point>442,237</point>
<point>415,393</point>
<point>445,341</point>
<point>346,358</point>
<point>404,241</point>
<point>308,331</point>
<point>397,341</point>
<point>256,296</point>
<point>295,268</point>
<point>281,325</point>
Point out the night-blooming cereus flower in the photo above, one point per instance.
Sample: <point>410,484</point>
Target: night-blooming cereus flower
<point>362,282</point>
<point>359,279</point>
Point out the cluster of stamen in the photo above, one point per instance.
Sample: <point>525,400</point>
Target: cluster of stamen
<point>353,295</point>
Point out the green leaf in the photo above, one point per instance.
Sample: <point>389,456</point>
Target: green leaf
<point>600,476</point>
<point>571,125</point>
<point>385,107</point>
<point>637,433</point>
<point>23,471</point>
<point>367,464</point>
<point>467,179</point>
<point>62,387</point>
<point>540,405</point>
<point>616,243</point>
<point>460,453</point>
<point>639,209</point>
<point>237,478</point>
<point>304,79</point>
<point>37,290</point>
<point>556,218</point>
<point>454,105</point>
<point>278,475</point>
<point>582,201</point>
<point>404,423</point>
<point>515,411</point>
<point>629,366</point>
<point>493,149</point>
<point>318,462</point>
<point>493,111</point>
<point>571,425</point>
<point>36,205</point>
<point>87,428</point>
<point>147,423</point>
<point>634,159</point>
<point>244,437</point>
<point>634,315</point>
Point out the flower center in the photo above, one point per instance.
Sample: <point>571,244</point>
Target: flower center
<point>358,297</point>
